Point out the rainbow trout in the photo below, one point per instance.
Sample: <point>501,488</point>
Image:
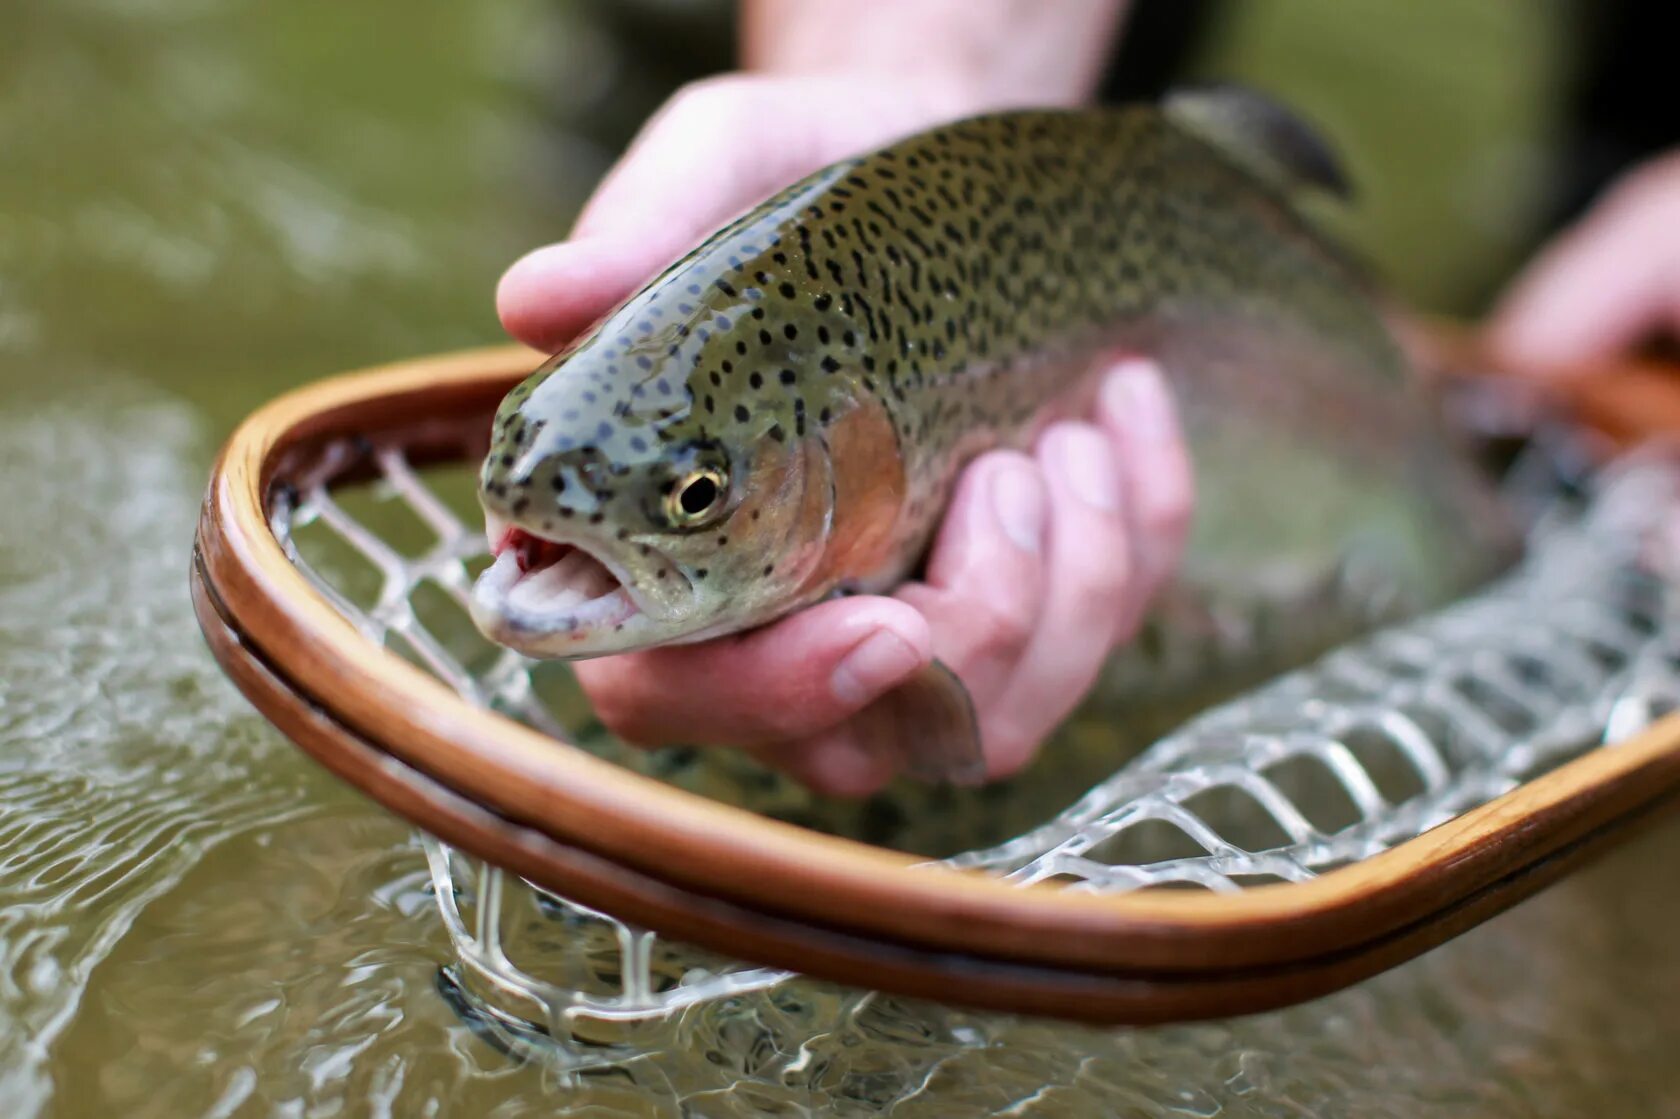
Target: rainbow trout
<point>781,414</point>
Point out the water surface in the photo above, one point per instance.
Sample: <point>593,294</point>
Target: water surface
<point>203,203</point>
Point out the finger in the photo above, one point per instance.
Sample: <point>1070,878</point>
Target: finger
<point>1601,286</point>
<point>789,680</point>
<point>985,577</point>
<point>1089,573</point>
<point>981,599</point>
<point>1135,408</point>
<point>551,295</point>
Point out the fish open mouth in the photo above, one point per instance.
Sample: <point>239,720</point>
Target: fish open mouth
<point>538,587</point>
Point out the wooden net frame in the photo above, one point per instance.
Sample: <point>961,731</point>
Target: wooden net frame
<point>1464,743</point>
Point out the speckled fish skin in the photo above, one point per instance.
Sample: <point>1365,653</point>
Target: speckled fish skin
<point>840,351</point>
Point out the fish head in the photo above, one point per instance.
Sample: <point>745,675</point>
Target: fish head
<point>621,519</point>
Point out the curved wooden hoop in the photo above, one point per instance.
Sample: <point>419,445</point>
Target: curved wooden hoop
<point>779,894</point>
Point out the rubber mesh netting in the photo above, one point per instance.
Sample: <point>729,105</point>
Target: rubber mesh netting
<point>1363,749</point>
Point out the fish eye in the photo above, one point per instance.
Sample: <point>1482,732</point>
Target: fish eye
<point>695,497</point>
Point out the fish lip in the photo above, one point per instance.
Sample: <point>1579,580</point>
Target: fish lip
<point>515,624</point>
<point>512,624</point>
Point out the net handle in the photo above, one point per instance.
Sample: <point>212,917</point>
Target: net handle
<point>708,853</point>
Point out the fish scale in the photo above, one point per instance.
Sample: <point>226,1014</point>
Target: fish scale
<point>826,363</point>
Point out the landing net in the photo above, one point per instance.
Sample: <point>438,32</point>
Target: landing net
<point>1370,746</point>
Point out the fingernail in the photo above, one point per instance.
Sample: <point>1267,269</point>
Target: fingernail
<point>1083,458</point>
<point>873,666</point>
<point>1135,394</point>
<point>1018,501</point>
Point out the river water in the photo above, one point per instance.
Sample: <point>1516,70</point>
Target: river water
<point>202,203</point>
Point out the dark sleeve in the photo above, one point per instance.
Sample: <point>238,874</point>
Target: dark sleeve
<point>1159,40</point>
<point>1622,106</point>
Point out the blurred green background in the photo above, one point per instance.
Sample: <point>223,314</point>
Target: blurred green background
<point>229,197</point>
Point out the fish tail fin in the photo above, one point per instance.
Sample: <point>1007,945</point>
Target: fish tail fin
<point>928,726</point>
<point>1261,133</point>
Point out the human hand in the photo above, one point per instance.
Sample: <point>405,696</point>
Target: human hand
<point>715,148</point>
<point>1044,562</point>
<point>1043,565</point>
<point>1604,285</point>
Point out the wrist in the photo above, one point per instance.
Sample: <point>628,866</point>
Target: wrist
<point>963,58</point>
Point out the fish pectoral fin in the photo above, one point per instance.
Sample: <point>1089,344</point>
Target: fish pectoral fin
<point>1263,134</point>
<point>927,725</point>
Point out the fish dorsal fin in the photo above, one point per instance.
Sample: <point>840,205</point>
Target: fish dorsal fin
<point>1262,134</point>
